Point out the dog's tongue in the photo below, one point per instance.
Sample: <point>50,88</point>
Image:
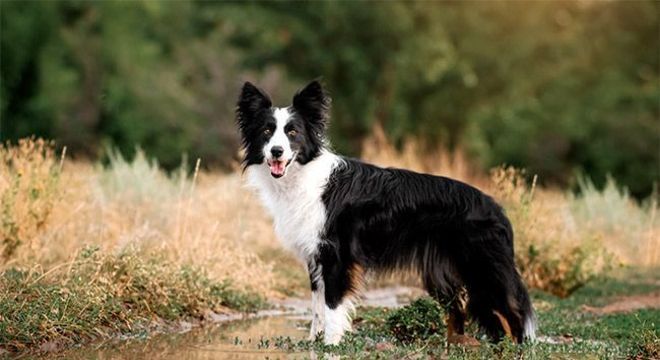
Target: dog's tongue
<point>277,168</point>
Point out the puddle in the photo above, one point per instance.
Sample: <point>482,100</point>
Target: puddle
<point>219,341</point>
<point>212,342</point>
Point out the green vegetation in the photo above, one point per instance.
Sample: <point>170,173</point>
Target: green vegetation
<point>417,321</point>
<point>566,328</point>
<point>558,88</point>
<point>100,295</point>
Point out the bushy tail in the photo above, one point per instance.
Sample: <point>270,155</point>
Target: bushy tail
<point>498,298</point>
<point>527,312</point>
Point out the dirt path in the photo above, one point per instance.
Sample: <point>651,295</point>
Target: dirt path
<point>392,297</point>
<point>625,304</point>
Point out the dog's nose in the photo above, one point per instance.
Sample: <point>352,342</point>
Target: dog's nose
<point>277,151</point>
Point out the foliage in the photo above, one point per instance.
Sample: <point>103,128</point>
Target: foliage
<point>100,295</point>
<point>97,252</point>
<point>647,345</point>
<point>29,184</point>
<point>549,255</point>
<point>555,87</point>
<point>54,208</point>
<point>417,321</point>
<point>541,86</point>
<point>631,335</point>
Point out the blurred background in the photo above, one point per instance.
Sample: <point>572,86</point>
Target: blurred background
<point>551,107</point>
<point>558,88</point>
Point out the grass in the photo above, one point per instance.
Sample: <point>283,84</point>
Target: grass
<point>567,330</point>
<point>101,295</point>
<point>90,251</point>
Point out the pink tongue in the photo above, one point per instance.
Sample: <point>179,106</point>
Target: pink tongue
<point>277,168</point>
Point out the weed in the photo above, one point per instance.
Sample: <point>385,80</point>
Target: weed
<point>417,321</point>
<point>552,253</point>
<point>29,179</point>
<point>585,335</point>
<point>98,295</point>
<point>646,343</point>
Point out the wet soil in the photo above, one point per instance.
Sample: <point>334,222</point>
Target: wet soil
<point>231,336</point>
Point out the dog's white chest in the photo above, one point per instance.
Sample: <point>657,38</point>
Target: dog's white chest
<point>295,202</point>
<point>299,220</point>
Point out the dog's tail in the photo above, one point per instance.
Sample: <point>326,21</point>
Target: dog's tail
<point>523,302</point>
<point>526,311</point>
<point>498,298</point>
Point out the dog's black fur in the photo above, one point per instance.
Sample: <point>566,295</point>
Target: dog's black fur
<point>451,233</point>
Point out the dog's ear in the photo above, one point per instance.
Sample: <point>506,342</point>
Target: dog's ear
<point>313,104</point>
<point>251,101</point>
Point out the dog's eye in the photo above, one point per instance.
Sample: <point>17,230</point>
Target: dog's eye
<point>267,132</point>
<point>292,132</point>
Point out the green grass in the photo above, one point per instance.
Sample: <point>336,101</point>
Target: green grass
<point>103,295</point>
<point>383,333</point>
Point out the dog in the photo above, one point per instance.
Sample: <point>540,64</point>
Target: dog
<point>342,217</point>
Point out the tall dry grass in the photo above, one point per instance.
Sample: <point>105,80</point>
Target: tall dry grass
<point>29,175</point>
<point>52,210</point>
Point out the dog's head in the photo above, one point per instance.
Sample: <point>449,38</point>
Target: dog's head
<point>276,137</point>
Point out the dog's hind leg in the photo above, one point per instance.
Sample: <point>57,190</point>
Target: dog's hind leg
<point>444,286</point>
<point>456,316</point>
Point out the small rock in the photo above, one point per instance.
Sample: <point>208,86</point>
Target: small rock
<point>48,346</point>
<point>185,326</point>
<point>463,340</point>
<point>383,346</point>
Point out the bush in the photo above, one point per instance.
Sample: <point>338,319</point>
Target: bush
<point>647,344</point>
<point>29,182</point>
<point>417,321</point>
<point>553,252</point>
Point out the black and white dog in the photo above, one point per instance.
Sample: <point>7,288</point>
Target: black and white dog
<point>342,217</point>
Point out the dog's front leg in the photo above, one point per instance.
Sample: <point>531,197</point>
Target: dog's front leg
<point>337,281</point>
<point>318,300</point>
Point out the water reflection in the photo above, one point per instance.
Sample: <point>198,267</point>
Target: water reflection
<point>240,339</point>
<point>244,339</point>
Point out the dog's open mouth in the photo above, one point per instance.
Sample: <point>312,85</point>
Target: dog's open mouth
<point>278,167</point>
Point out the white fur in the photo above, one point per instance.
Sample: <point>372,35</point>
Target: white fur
<point>294,201</point>
<point>318,311</point>
<point>279,138</point>
<point>337,321</point>
<point>530,327</point>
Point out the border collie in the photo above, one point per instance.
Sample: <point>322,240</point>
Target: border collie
<point>343,217</point>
